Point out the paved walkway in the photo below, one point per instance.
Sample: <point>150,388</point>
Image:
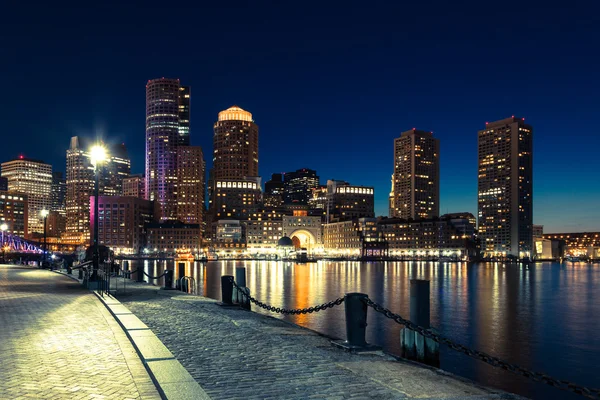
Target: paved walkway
<point>57,341</point>
<point>235,354</point>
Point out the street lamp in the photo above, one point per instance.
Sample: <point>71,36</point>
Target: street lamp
<point>44,214</point>
<point>97,156</point>
<point>3,228</point>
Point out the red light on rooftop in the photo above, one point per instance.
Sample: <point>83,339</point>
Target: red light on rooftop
<point>414,129</point>
<point>487,123</point>
<point>21,157</point>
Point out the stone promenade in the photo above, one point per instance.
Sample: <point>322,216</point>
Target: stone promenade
<point>235,354</point>
<point>57,341</point>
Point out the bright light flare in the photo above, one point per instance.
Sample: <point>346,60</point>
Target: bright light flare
<point>98,154</point>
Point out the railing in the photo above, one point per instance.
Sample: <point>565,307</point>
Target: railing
<point>418,340</point>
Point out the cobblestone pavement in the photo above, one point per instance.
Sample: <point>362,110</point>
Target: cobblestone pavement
<point>235,354</point>
<point>57,341</point>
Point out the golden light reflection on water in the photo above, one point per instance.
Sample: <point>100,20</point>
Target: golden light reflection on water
<point>542,316</point>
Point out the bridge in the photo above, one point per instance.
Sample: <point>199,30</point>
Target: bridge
<point>15,244</point>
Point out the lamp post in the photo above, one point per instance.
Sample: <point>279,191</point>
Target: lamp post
<point>3,228</point>
<point>44,214</point>
<point>97,156</point>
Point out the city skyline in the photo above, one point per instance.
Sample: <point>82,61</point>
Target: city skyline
<point>333,102</point>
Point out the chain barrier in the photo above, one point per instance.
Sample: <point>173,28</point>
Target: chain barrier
<point>491,360</point>
<point>286,311</point>
<point>154,277</point>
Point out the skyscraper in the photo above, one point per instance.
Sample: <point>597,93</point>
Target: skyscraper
<point>167,127</point>
<point>135,186</point>
<point>299,185</point>
<point>80,181</point>
<point>190,184</point>
<point>33,178</point>
<point>505,190</point>
<point>235,145</point>
<point>274,188</point>
<point>416,179</point>
<point>58,193</point>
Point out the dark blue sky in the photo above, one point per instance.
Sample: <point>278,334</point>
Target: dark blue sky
<point>330,85</point>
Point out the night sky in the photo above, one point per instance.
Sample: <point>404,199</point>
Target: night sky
<point>330,84</point>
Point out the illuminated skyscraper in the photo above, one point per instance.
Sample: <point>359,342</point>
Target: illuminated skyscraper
<point>235,145</point>
<point>416,179</point>
<point>34,179</point>
<point>190,184</point>
<point>299,185</point>
<point>505,190</point>
<point>80,181</point>
<point>59,192</point>
<point>167,127</point>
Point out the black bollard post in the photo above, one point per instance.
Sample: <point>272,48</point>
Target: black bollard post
<point>180,274</point>
<point>168,280</point>
<point>240,279</point>
<point>226,291</point>
<point>356,324</point>
<point>413,345</point>
<point>140,274</point>
<point>80,276</point>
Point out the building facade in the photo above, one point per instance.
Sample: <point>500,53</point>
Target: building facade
<point>14,212</point>
<point>576,243</point>
<point>167,128</point>
<point>298,185</point>
<point>346,201</point>
<point>416,179</point>
<point>274,190</point>
<point>173,237</point>
<point>505,189</point>
<point>122,222</point>
<point>56,224</point>
<point>304,230</point>
<point>235,198</point>
<point>229,234</point>
<point>80,183</point>
<point>358,237</point>
<point>34,179</point>
<point>135,186</point>
<point>190,184</point>
<point>59,193</point>
<point>3,184</point>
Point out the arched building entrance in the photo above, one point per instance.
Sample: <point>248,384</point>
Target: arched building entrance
<point>303,238</point>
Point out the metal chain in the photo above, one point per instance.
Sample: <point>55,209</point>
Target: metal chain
<point>493,361</point>
<point>286,311</point>
<point>154,277</point>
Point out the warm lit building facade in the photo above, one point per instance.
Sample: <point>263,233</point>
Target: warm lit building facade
<point>190,184</point>
<point>122,222</point>
<point>346,201</point>
<point>416,179</point>
<point>236,198</point>
<point>229,235</point>
<point>34,179</point>
<point>298,185</point>
<point>56,224</point>
<point>14,212</point>
<point>173,237</point>
<point>505,189</point>
<point>304,230</point>
<point>235,145</point>
<point>167,128</point>
<point>135,186</point>
<point>80,183</point>
<point>358,237</point>
<point>577,243</point>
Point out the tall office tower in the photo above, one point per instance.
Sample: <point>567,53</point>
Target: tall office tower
<point>235,145</point>
<point>190,184</point>
<point>416,179</point>
<point>346,201</point>
<point>299,185</point>
<point>134,186</point>
<point>505,190</point>
<point>273,196</point>
<point>167,127</point>
<point>80,181</point>
<point>33,178</point>
<point>59,193</point>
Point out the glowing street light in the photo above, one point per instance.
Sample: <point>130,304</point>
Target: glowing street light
<point>98,155</point>
<point>44,214</point>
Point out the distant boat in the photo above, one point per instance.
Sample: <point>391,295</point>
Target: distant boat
<point>445,259</point>
<point>572,259</point>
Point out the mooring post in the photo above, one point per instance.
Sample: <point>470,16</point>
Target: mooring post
<point>240,279</point>
<point>355,308</point>
<point>226,290</point>
<point>413,345</point>
<point>180,274</point>
<point>80,275</point>
<point>140,274</point>
<point>168,279</point>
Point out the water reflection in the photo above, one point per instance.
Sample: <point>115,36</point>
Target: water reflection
<point>543,317</point>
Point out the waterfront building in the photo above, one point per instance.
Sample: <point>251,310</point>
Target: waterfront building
<point>274,190</point>
<point>416,178</point>
<point>236,198</point>
<point>3,184</point>
<point>505,189</point>
<point>429,238</point>
<point>167,128</point>
<point>298,185</point>
<point>346,201</point>
<point>577,243</point>
<point>304,230</point>
<point>34,179</point>
<point>135,186</point>
<point>229,234</point>
<point>235,145</point>
<point>58,193</point>
<point>537,231</point>
<point>465,222</point>
<point>548,249</point>
<point>122,222</point>
<point>357,237</point>
<point>14,212</point>
<point>190,185</point>
<point>173,237</point>
<point>80,183</point>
